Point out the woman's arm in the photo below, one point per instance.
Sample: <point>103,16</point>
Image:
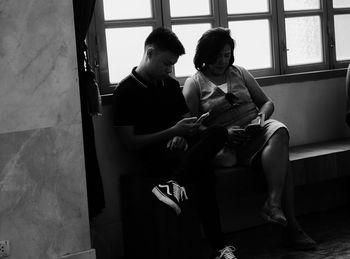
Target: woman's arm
<point>261,100</point>
<point>191,94</point>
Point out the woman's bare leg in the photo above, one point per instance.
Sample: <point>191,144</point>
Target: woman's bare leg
<point>280,181</point>
<point>275,160</point>
<point>288,199</point>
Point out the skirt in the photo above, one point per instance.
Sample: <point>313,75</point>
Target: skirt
<point>249,149</point>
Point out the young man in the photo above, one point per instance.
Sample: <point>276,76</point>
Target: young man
<point>152,118</point>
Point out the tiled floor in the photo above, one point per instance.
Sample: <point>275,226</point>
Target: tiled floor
<point>330,229</point>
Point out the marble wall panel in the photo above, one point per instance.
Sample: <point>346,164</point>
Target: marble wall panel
<point>38,68</point>
<point>43,200</point>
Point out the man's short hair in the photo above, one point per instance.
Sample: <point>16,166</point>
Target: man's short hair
<point>164,39</point>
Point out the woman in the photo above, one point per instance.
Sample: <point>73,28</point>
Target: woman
<point>234,99</point>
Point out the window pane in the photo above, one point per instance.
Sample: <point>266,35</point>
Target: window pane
<point>188,34</point>
<point>304,41</point>
<point>341,3</point>
<point>342,36</point>
<point>253,49</point>
<point>189,8</point>
<point>292,5</point>
<point>247,6</point>
<point>124,50</point>
<point>130,9</point>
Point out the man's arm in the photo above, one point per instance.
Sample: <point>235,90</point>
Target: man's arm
<point>185,127</point>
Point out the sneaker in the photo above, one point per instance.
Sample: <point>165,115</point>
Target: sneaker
<point>226,253</point>
<point>171,193</point>
<point>273,214</point>
<point>299,240</point>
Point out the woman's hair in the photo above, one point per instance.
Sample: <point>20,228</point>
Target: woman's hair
<point>209,46</point>
<point>164,39</point>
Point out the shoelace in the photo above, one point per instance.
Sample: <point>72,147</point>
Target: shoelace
<point>179,191</point>
<point>227,252</point>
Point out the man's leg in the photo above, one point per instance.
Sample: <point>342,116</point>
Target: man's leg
<point>189,166</point>
<point>208,211</point>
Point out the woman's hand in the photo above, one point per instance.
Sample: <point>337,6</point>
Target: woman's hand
<point>255,125</point>
<point>177,142</point>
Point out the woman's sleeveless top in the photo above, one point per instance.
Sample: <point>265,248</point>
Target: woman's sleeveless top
<point>236,111</point>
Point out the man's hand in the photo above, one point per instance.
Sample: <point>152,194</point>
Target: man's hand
<point>177,143</point>
<point>187,127</point>
<point>237,135</point>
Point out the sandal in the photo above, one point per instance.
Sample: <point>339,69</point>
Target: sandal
<point>273,214</point>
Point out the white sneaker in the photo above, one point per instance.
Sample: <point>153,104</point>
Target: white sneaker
<point>226,253</point>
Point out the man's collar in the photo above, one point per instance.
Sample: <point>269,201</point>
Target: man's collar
<point>144,83</point>
<point>138,78</point>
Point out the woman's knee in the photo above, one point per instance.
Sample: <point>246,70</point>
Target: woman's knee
<point>281,137</point>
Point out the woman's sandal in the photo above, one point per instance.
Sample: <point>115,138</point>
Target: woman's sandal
<point>273,214</point>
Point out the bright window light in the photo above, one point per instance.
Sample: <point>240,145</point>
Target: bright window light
<point>341,3</point>
<point>124,50</point>
<point>304,40</point>
<point>342,36</point>
<point>253,49</point>
<point>294,5</point>
<point>247,6</point>
<point>188,34</point>
<point>127,9</point>
<point>184,8</point>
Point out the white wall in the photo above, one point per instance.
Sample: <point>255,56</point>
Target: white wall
<point>313,111</point>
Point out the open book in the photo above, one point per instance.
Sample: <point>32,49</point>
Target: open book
<point>255,124</point>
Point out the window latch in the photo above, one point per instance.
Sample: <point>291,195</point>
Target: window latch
<point>284,47</point>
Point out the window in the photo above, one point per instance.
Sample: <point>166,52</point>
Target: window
<point>341,35</point>
<point>250,23</point>
<point>273,37</point>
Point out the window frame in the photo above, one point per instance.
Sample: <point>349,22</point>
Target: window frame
<point>331,30</point>
<point>322,12</point>
<point>271,16</point>
<point>219,16</point>
<point>97,39</point>
<point>169,21</point>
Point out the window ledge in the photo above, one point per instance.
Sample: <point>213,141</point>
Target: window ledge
<point>301,77</point>
<point>107,99</point>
